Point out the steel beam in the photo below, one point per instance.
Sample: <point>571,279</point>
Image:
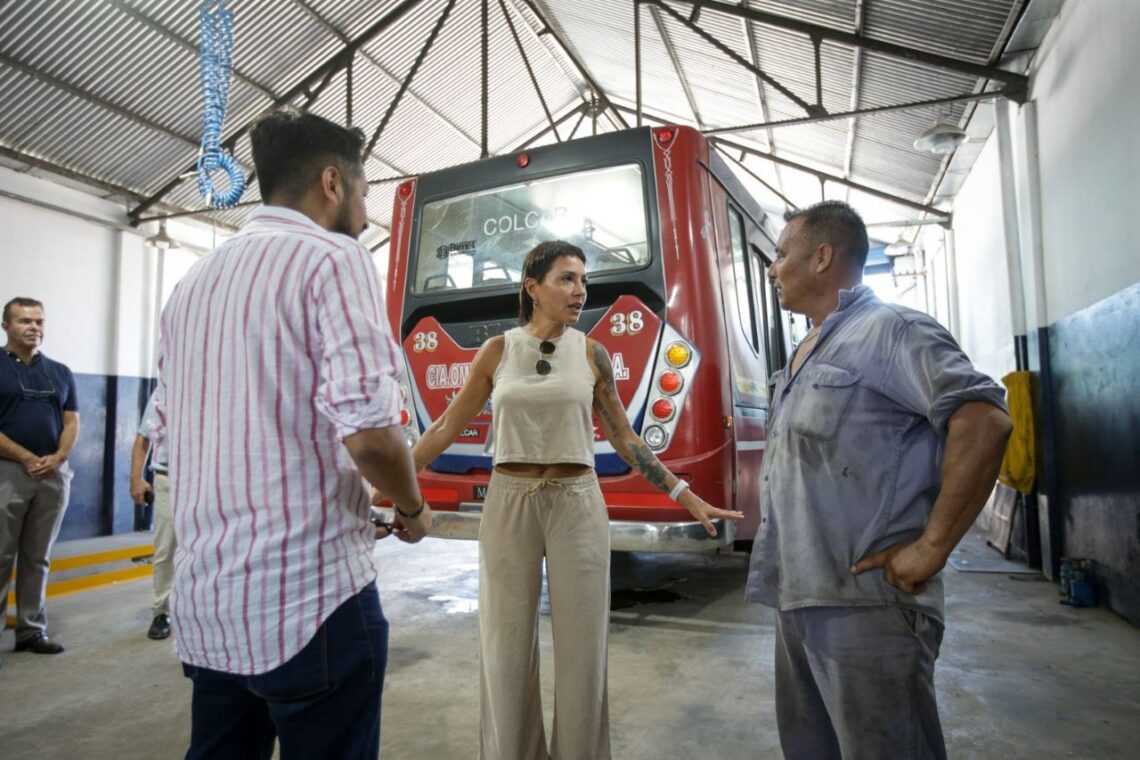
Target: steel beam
<point>371,59</point>
<point>407,81</point>
<point>75,92</point>
<point>833,178</point>
<point>484,150</point>
<point>858,112</point>
<point>637,59</point>
<point>1017,85</point>
<point>582,70</point>
<point>817,173</point>
<point>787,201</point>
<point>676,61</point>
<point>529,68</point>
<point>808,107</point>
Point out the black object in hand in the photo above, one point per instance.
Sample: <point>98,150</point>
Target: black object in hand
<point>148,497</point>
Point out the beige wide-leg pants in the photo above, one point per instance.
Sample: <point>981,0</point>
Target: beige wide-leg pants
<point>565,521</point>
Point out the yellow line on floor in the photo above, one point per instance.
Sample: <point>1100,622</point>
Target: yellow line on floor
<point>60,564</point>
<point>72,585</point>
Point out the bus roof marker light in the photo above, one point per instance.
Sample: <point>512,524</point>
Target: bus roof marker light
<point>663,409</point>
<point>664,135</point>
<point>405,417</point>
<point>523,160</point>
<point>405,190</point>
<point>678,355</point>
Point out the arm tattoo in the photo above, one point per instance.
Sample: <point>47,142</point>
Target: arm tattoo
<point>633,452</point>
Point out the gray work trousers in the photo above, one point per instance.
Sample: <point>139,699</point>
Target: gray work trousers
<point>565,521</point>
<point>31,512</point>
<point>164,545</point>
<point>857,683</point>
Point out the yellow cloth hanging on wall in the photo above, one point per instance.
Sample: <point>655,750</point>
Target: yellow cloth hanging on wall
<point>1019,466</point>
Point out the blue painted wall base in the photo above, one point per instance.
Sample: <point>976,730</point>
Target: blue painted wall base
<point>1095,357</point>
<point>109,413</point>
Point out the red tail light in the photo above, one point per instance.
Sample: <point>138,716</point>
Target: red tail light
<point>670,382</point>
<point>663,409</point>
<point>405,418</point>
<point>405,190</point>
<point>664,135</point>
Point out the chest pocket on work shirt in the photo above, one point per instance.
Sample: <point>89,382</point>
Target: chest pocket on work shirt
<point>825,395</point>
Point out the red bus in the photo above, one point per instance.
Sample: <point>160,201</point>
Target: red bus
<point>677,255</point>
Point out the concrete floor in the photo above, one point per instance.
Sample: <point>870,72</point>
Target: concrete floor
<point>1020,676</point>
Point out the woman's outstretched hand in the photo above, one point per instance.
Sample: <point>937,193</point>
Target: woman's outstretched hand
<point>705,512</point>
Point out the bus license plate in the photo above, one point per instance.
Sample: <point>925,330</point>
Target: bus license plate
<point>480,492</point>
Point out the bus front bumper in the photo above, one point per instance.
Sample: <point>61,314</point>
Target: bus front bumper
<point>625,535</point>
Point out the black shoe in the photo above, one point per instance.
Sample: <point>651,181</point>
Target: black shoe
<point>159,627</point>
<point>41,644</point>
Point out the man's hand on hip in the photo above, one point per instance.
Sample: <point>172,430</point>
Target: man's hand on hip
<point>907,567</point>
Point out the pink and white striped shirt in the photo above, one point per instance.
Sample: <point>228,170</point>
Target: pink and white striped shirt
<point>273,349</point>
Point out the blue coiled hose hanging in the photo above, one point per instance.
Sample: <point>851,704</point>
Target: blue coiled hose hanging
<point>215,67</point>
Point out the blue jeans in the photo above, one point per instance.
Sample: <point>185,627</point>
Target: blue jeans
<point>322,703</point>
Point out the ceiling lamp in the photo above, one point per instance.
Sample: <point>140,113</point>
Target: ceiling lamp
<point>901,247</point>
<point>161,240</point>
<point>941,139</point>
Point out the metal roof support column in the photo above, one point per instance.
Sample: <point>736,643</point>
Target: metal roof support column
<point>808,108</point>
<point>856,81</point>
<point>637,57</point>
<point>484,152</point>
<point>816,42</point>
<point>348,93</point>
<point>529,69</point>
<point>404,85</point>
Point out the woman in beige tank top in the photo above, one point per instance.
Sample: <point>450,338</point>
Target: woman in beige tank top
<point>544,502</point>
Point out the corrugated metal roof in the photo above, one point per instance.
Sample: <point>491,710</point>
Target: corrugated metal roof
<point>109,90</point>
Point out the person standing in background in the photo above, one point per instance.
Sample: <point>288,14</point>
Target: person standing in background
<point>159,496</point>
<point>39,422</point>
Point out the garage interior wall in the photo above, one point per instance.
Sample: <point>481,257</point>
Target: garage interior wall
<point>1076,198</point>
<point>98,281</point>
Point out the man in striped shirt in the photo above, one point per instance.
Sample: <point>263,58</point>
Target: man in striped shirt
<point>278,388</point>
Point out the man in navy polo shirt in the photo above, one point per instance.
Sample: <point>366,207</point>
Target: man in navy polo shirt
<point>39,423</point>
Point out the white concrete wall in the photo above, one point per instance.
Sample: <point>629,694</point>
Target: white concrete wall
<point>985,325</point>
<point>96,276</point>
<point>1086,83</point>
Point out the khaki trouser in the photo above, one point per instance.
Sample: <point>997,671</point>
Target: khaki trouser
<point>31,512</point>
<point>565,521</point>
<point>163,545</point>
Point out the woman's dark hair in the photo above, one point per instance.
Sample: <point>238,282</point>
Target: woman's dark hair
<point>538,262</point>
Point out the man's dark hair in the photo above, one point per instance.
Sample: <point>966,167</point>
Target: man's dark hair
<point>290,148</point>
<point>27,303</point>
<point>538,262</point>
<point>836,223</point>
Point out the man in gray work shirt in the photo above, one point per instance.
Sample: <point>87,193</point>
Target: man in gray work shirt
<point>883,444</point>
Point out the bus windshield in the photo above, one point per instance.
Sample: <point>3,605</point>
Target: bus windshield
<point>480,239</point>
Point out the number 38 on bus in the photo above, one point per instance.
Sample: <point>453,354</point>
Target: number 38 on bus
<point>677,255</point>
